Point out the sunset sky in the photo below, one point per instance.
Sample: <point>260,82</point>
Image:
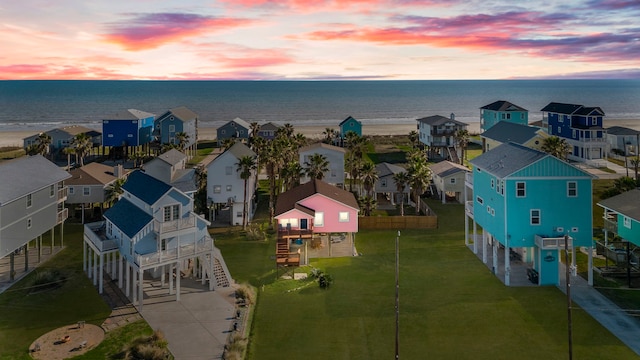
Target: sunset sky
<point>316,39</point>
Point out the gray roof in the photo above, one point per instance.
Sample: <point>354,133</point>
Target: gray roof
<point>447,168</point>
<point>502,105</point>
<point>130,114</point>
<point>27,174</point>
<point>349,118</point>
<point>321,145</point>
<point>621,130</point>
<point>386,169</point>
<point>439,120</point>
<point>185,180</point>
<point>270,126</point>
<point>172,156</point>
<point>625,204</point>
<point>239,150</point>
<point>506,159</point>
<point>183,113</point>
<point>240,122</point>
<point>505,132</point>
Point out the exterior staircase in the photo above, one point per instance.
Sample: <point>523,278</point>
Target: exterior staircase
<point>215,270</point>
<point>453,155</point>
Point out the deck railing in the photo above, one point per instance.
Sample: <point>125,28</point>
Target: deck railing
<point>468,207</point>
<point>163,227</point>
<point>202,245</point>
<point>611,224</point>
<point>63,215</point>
<point>62,194</point>
<point>95,232</point>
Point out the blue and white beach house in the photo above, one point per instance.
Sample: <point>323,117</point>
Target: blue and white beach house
<point>153,231</point>
<point>526,201</point>
<point>622,217</point>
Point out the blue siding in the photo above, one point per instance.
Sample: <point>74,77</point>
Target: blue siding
<point>492,222</point>
<point>232,130</point>
<point>350,124</point>
<point>491,117</point>
<point>119,132</point>
<point>630,234</point>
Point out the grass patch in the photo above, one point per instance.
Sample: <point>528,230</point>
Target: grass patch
<point>11,152</point>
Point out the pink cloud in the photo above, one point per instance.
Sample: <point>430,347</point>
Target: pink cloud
<point>57,72</point>
<point>325,5</point>
<point>254,59</point>
<point>148,31</point>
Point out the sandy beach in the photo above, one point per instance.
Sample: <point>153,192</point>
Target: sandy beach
<point>14,138</point>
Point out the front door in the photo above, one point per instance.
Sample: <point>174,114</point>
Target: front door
<point>303,224</point>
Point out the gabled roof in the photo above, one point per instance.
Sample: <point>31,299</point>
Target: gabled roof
<point>172,157</point>
<point>321,145</point>
<point>239,150</point>
<point>91,174</point>
<point>185,180</point>
<point>439,120</point>
<point>288,199</point>
<point>621,130</point>
<point>128,217</point>
<point>269,126</point>
<point>240,122</point>
<point>27,174</point>
<point>349,118</point>
<point>505,132</point>
<point>183,113</point>
<point>625,204</point>
<point>506,159</point>
<point>130,114</point>
<point>561,108</point>
<point>74,130</point>
<point>589,111</point>
<point>447,168</point>
<point>502,105</point>
<point>386,169</point>
<point>145,187</point>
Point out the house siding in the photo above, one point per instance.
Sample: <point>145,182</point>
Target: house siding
<point>331,210</point>
<point>76,194</point>
<point>335,175</point>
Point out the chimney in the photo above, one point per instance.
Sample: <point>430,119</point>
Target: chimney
<point>452,116</point>
<point>118,171</point>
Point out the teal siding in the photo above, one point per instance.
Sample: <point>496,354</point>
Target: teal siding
<point>630,234</point>
<point>491,118</point>
<point>350,124</point>
<point>490,214</point>
<point>550,166</point>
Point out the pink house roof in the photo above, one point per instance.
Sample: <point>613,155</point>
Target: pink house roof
<point>289,199</point>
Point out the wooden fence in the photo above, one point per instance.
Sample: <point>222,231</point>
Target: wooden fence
<point>398,222</point>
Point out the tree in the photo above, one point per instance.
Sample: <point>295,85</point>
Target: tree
<point>419,174</point>
<point>245,166</point>
<point>82,144</point>
<point>114,190</point>
<point>413,138</point>
<point>43,144</point>
<point>316,166</point>
<point>367,204</point>
<point>369,176</point>
<point>329,135</point>
<point>461,136</point>
<point>556,146</point>
<point>69,151</point>
<point>402,180</point>
<point>228,143</point>
<point>636,164</point>
<point>183,139</point>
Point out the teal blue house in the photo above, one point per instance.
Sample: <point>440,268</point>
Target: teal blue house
<point>350,124</point>
<point>502,110</point>
<point>526,201</point>
<point>622,217</point>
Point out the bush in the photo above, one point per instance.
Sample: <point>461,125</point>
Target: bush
<point>235,348</point>
<point>47,279</point>
<point>152,347</point>
<point>245,292</point>
<point>315,273</point>
<point>325,280</point>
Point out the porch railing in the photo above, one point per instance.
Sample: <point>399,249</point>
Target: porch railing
<point>163,227</point>
<point>202,245</point>
<point>62,194</point>
<point>96,233</point>
<point>62,215</point>
<point>468,207</point>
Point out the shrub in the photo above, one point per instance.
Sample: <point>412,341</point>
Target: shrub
<point>235,348</point>
<point>315,273</point>
<point>47,279</point>
<point>325,280</point>
<point>245,292</point>
<point>152,347</point>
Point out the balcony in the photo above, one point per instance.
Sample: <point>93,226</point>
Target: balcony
<point>62,194</point>
<point>166,227</point>
<point>468,208</point>
<point>611,224</point>
<point>62,216</point>
<point>96,233</point>
<point>468,179</point>
<point>159,257</point>
<point>552,243</point>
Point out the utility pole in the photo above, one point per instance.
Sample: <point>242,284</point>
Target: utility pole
<point>568,275</point>
<point>397,295</point>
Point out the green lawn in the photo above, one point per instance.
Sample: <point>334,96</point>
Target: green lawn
<point>451,306</point>
<point>26,315</point>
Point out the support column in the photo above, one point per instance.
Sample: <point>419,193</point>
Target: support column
<point>127,279</point>
<point>170,279</point>
<point>114,262</point>
<point>495,254</point>
<point>484,247</point>
<point>62,234</point>
<point>163,270</point>
<point>134,283</point>
<point>84,256</point>
<point>178,267</point>
<point>466,229</point>
<point>52,238</point>
<point>590,266</point>
<point>12,270</point>
<point>89,262</point>
<point>507,265</point>
<point>95,268</point>
<point>120,271</point>
<point>26,258</point>
<point>101,278</point>
<point>39,245</point>
<point>140,289</point>
<point>475,242</point>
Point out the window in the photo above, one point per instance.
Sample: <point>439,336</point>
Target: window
<point>239,214</point>
<point>480,200</point>
<point>452,180</point>
<point>498,185</point>
<point>29,201</point>
<point>535,216</point>
<point>172,128</point>
<point>130,135</point>
<point>319,219</point>
<point>559,129</point>
<point>521,189</point>
<point>52,190</point>
<point>228,187</point>
<point>110,229</point>
<point>29,223</point>
<point>86,191</point>
<point>217,189</point>
<point>488,209</point>
<point>163,244</point>
<point>501,187</point>
<point>508,116</point>
<point>594,120</point>
<point>383,182</point>
<point>493,212</point>
<point>493,183</point>
<point>171,212</point>
<point>572,189</point>
<point>71,190</point>
<point>222,132</point>
<point>627,222</point>
<point>343,216</point>
<point>228,170</point>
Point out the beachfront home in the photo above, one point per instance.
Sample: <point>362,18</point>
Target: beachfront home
<point>226,189</point>
<point>350,124</point>
<point>622,217</point>
<point>438,134</point>
<point>448,180</point>
<point>90,185</point>
<point>505,132</point>
<point>582,128</point>
<point>63,137</point>
<point>127,128</point>
<point>175,121</point>
<point>268,131</point>
<point>335,157</point>
<point>526,201</point>
<point>32,199</point>
<point>320,214</point>
<point>234,129</point>
<point>502,111</point>
<point>623,139</point>
<point>386,185</point>
<point>153,231</point>
<point>170,167</point>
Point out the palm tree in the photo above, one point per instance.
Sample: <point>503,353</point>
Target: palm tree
<point>43,142</point>
<point>353,165</point>
<point>290,174</point>
<point>114,190</point>
<point>461,136</point>
<point>556,146</point>
<point>367,204</point>
<point>329,135</point>
<point>636,164</point>
<point>287,129</point>
<point>82,144</point>
<point>402,180</point>
<point>183,139</point>
<point>68,151</point>
<point>228,143</point>
<point>419,174</point>
<point>369,176</point>
<point>316,166</point>
<point>245,166</point>
<point>413,138</point>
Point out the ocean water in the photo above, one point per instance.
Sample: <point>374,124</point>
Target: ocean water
<point>29,105</point>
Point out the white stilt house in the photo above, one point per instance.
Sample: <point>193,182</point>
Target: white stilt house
<point>153,231</point>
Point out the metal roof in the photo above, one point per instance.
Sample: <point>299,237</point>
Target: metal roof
<point>447,168</point>
<point>288,199</point>
<point>625,204</point>
<point>385,169</point>
<point>26,175</point>
<point>505,132</point>
<point>128,217</point>
<point>506,159</point>
<point>145,187</point>
<point>502,105</point>
<point>130,114</point>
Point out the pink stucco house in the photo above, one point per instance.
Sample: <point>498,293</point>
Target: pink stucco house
<point>315,219</point>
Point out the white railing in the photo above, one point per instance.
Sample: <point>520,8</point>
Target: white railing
<point>202,245</point>
<point>62,194</point>
<point>468,178</point>
<point>92,232</point>
<point>63,215</point>
<point>553,242</point>
<point>611,224</point>
<point>468,207</point>
<point>162,227</point>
